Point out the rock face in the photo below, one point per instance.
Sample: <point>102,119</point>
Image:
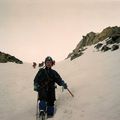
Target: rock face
<point>86,40</point>
<point>111,35</point>
<point>4,58</point>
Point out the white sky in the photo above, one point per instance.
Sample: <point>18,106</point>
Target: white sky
<point>34,29</point>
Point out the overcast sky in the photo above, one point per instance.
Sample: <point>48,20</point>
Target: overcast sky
<point>34,29</point>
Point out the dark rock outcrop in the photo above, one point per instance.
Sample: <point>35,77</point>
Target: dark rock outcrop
<point>4,58</point>
<point>98,46</point>
<point>105,48</point>
<point>75,55</point>
<point>114,47</point>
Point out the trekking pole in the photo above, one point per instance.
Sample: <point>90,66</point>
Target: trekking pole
<point>37,108</point>
<point>70,92</point>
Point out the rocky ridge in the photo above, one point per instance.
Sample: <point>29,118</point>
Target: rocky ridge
<point>4,58</point>
<point>110,36</point>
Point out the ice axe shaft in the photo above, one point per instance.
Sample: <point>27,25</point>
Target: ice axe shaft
<point>70,92</point>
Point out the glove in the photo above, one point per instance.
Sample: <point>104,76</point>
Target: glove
<point>64,86</point>
<point>36,87</point>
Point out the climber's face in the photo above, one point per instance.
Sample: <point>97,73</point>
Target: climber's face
<point>48,64</point>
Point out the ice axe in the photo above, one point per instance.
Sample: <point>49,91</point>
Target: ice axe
<point>70,92</point>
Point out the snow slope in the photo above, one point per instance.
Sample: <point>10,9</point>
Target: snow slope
<point>93,78</point>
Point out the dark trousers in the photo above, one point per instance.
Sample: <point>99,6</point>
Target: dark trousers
<point>47,99</point>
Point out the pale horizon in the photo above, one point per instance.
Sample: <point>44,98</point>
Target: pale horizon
<point>32,30</point>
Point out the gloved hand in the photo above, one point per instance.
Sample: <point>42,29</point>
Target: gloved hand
<point>36,87</point>
<point>65,85</point>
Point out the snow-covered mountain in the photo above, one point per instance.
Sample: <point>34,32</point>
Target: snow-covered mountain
<point>93,78</point>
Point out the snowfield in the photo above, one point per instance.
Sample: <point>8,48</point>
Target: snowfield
<point>93,78</point>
